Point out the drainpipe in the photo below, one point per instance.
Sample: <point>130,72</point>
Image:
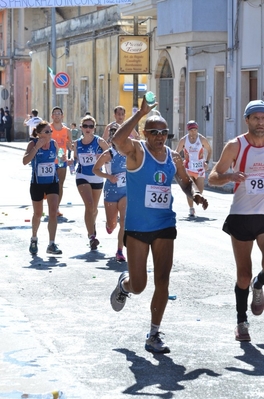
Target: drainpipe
<point>11,72</point>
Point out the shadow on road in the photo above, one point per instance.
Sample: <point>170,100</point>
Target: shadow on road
<point>167,375</point>
<point>252,357</point>
<point>196,219</point>
<point>39,263</point>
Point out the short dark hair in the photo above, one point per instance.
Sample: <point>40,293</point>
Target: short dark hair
<point>34,112</point>
<point>119,107</point>
<point>56,108</point>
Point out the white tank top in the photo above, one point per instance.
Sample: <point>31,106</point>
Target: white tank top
<point>193,154</point>
<point>248,196</point>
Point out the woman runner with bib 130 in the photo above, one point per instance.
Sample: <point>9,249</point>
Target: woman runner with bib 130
<point>42,153</point>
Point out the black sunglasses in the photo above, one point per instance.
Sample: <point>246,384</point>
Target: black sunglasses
<point>155,132</point>
<point>47,131</point>
<point>87,126</point>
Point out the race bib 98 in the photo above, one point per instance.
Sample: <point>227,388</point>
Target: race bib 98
<point>255,185</point>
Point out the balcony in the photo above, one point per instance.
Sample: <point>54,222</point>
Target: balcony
<point>184,22</point>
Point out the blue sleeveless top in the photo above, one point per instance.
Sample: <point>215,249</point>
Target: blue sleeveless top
<point>86,154</point>
<point>43,165</point>
<point>117,166</point>
<point>149,199</point>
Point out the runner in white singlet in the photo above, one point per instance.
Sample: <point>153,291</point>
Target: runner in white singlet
<point>193,145</point>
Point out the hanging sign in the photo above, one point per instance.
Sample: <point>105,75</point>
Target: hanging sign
<point>133,54</point>
<point>58,3</point>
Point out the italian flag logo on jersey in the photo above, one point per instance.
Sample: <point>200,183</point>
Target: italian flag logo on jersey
<point>160,177</point>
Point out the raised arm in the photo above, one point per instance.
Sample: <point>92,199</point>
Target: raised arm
<point>121,138</point>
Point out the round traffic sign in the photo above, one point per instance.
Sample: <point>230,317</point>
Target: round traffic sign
<point>61,80</point>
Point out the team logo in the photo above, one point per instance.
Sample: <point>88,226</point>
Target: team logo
<point>160,177</point>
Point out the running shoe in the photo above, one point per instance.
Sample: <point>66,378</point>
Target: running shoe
<point>120,257</point>
<point>53,249</point>
<point>192,212</point>
<point>118,297</point>
<point>93,243</point>
<point>241,332</point>
<point>155,344</point>
<point>33,248</point>
<point>257,300</point>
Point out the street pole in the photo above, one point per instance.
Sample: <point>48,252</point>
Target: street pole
<point>53,52</point>
<point>135,76</point>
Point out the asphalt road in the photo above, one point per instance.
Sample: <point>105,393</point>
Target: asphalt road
<point>58,331</point>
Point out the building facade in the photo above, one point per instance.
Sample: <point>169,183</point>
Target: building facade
<point>206,62</point>
<point>223,64</point>
<point>86,48</point>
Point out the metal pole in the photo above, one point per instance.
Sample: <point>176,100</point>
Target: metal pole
<point>135,76</point>
<point>53,51</point>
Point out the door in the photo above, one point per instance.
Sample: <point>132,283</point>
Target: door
<point>166,103</point>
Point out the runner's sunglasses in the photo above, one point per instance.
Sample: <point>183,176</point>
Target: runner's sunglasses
<point>87,126</point>
<point>155,132</point>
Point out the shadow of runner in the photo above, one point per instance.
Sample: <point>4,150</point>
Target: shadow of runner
<point>91,256</point>
<point>167,375</point>
<point>39,263</point>
<point>197,219</point>
<point>252,357</point>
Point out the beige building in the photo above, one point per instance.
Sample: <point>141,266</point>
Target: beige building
<point>86,49</point>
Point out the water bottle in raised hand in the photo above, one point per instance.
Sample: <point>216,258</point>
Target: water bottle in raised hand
<point>150,98</point>
<point>60,155</point>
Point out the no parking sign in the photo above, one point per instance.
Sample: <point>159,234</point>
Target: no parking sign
<point>61,80</point>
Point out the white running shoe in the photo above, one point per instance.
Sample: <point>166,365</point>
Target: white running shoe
<point>155,344</point>
<point>118,298</point>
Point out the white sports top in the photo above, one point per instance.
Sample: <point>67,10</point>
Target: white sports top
<point>248,195</point>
